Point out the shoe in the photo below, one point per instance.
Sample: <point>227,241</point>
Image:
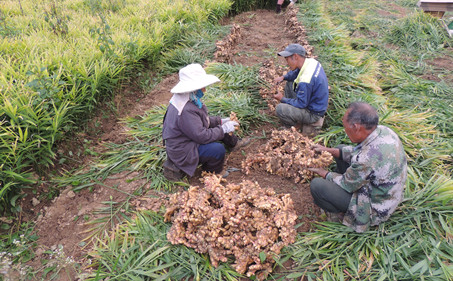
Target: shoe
<point>312,130</point>
<point>241,143</point>
<point>335,217</point>
<point>171,172</point>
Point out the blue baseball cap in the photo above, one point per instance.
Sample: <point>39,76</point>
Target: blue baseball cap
<point>293,49</point>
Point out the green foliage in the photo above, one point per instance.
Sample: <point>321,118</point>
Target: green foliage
<point>17,248</point>
<point>139,250</point>
<point>419,33</point>
<point>196,46</point>
<point>175,59</point>
<point>237,92</point>
<point>6,29</point>
<point>105,6</point>
<point>30,125</point>
<point>404,83</point>
<point>407,3</point>
<point>236,77</point>
<point>407,247</point>
<point>240,6</point>
<point>57,67</point>
<point>48,86</point>
<point>58,24</point>
<point>103,35</point>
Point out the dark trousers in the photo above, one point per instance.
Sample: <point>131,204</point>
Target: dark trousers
<point>290,115</point>
<point>328,195</point>
<point>212,156</point>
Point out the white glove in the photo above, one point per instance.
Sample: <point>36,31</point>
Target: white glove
<point>228,126</point>
<point>224,120</point>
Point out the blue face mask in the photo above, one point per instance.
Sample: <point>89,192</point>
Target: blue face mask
<point>195,98</point>
<point>200,94</point>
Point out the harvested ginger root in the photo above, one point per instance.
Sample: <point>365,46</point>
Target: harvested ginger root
<point>288,153</point>
<point>245,221</point>
<point>233,117</point>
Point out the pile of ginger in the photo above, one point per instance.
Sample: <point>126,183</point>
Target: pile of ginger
<point>244,221</point>
<point>288,153</point>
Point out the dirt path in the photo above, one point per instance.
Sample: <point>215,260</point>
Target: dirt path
<point>62,223</point>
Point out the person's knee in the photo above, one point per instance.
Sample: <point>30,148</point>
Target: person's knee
<point>279,110</point>
<point>282,110</point>
<point>212,150</point>
<point>219,150</point>
<point>316,186</point>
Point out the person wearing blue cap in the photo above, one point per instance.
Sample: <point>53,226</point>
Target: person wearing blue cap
<point>306,95</point>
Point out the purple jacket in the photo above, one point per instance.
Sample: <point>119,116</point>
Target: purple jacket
<point>184,133</point>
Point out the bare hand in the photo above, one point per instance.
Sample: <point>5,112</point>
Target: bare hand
<point>320,171</point>
<point>278,96</point>
<point>278,80</point>
<point>319,148</point>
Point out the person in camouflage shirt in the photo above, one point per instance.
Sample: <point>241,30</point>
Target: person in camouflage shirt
<point>370,178</point>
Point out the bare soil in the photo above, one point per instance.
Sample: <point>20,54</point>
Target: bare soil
<point>62,222</point>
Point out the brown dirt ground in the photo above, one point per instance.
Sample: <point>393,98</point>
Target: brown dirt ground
<point>62,221</point>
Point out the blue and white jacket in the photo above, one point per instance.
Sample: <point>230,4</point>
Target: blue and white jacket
<point>311,87</point>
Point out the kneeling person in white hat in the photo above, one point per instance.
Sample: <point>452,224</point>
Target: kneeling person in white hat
<point>190,135</point>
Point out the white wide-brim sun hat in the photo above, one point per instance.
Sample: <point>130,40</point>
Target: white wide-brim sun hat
<point>193,77</point>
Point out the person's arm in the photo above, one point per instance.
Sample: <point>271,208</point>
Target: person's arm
<point>355,177</point>
<point>191,124</point>
<point>303,94</point>
<point>215,121</point>
<point>320,171</point>
<point>279,79</point>
<point>291,75</point>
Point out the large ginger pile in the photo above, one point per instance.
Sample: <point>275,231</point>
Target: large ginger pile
<point>288,153</point>
<point>245,221</point>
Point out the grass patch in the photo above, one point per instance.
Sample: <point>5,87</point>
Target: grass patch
<point>59,60</point>
<point>138,250</point>
<point>416,242</point>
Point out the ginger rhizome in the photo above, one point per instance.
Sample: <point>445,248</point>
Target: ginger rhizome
<point>288,153</point>
<point>244,221</point>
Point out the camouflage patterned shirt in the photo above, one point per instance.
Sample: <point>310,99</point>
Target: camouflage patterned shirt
<point>376,178</point>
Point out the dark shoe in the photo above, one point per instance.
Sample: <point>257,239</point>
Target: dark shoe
<point>312,130</point>
<point>171,172</point>
<point>241,143</point>
<point>278,9</point>
<point>335,217</point>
